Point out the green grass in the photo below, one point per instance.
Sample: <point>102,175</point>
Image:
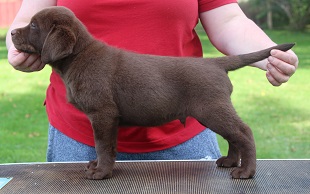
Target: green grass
<point>278,116</point>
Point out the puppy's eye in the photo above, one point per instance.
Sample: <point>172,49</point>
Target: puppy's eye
<point>33,25</point>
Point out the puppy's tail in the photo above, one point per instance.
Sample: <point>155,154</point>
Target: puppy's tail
<point>231,63</point>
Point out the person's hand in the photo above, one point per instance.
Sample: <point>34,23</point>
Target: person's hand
<point>23,61</point>
<point>281,66</point>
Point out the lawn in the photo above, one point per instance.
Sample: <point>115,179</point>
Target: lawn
<point>23,122</point>
<point>278,116</point>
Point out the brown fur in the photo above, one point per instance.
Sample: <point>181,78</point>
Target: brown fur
<point>115,87</point>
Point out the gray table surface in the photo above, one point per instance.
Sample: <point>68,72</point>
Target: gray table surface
<point>272,176</point>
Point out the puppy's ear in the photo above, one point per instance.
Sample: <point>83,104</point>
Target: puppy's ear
<point>58,44</point>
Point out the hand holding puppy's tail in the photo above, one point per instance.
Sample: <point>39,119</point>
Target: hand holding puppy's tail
<point>231,63</point>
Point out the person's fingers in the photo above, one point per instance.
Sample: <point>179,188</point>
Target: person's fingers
<point>17,58</point>
<point>274,76</point>
<point>285,62</point>
<point>26,62</point>
<point>33,63</point>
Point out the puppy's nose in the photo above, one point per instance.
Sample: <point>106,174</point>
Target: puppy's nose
<point>13,32</point>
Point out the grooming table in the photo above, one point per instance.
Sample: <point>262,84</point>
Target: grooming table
<point>272,176</point>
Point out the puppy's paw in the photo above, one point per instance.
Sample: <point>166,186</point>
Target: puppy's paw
<point>98,174</point>
<point>94,172</point>
<point>227,162</point>
<point>242,173</point>
<point>91,164</point>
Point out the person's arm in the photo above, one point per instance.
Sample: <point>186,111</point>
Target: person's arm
<point>19,60</point>
<point>232,33</point>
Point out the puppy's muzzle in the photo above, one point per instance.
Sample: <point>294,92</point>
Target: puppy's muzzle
<point>13,32</point>
<point>20,43</point>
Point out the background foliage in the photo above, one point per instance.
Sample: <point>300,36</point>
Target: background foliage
<point>289,14</point>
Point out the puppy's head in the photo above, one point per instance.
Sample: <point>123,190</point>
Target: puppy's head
<point>52,33</point>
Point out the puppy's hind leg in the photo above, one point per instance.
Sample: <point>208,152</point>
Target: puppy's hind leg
<point>223,120</point>
<point>232,159</point>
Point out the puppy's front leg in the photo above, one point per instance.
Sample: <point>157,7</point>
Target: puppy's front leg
<point>105,132</point>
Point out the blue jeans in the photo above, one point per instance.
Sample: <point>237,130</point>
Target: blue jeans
<point>62,148</point>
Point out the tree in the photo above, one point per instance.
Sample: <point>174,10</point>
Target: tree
<point>269,14</point>
<point>295,14</point>
<point>298,12</point>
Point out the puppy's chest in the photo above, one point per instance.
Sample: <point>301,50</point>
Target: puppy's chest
<point>87,93</point>
<point>72,97</point>
<point>73,91</point>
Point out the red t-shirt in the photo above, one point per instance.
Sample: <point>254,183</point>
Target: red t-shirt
<point>160,27</point>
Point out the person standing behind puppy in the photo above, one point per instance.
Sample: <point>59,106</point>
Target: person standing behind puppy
<point>151,27</point>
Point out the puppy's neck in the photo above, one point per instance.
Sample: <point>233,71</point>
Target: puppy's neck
<point>62,66</point>
<point>84,39</point>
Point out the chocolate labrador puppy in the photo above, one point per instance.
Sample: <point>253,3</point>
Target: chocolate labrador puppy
<point>115,87</point>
